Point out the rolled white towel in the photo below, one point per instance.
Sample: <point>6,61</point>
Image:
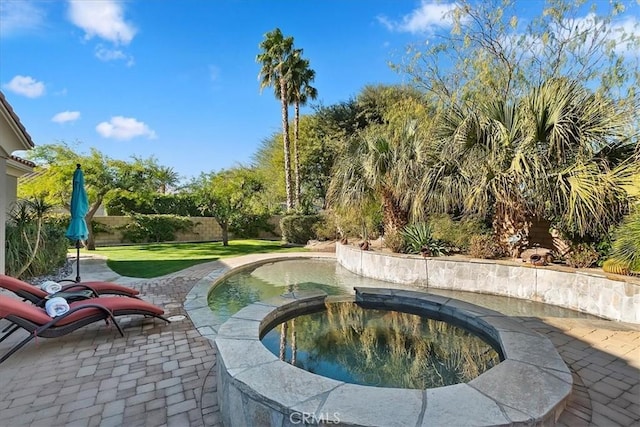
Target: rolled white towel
<point>56,306</point>
<point>51,287</point>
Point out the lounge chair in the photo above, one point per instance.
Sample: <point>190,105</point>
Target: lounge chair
<point>38,323</point>
<point>73,291</point>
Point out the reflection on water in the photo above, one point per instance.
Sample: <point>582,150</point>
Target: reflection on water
<point>276,278</point>
<point>380,348</point>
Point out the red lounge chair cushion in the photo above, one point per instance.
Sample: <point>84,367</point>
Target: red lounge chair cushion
<point>123,305</point>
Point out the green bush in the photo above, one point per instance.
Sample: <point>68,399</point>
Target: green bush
<point>125,203</point>
<point>51,254</point>
<point>298,229</point>
<point>246,225</point>
<point>456,235</point>
<point>364,222</point>
<point>154,228</point>
<point>394,241</point>
<point>418,238</point>
<point>327,227</point>
<point>582,255</point>
<point>486,246</point>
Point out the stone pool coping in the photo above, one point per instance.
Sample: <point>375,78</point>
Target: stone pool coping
<point>531,385</point>
<point>608,296</point>
<point>196,303</point>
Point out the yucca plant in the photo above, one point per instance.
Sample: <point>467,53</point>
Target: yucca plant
<point>418,238</point>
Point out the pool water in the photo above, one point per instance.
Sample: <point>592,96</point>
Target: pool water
<point>273,279</point>
<point>381,348</point>
<point>269,280</point>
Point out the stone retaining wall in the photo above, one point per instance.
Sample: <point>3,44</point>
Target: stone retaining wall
<point>609,296</point>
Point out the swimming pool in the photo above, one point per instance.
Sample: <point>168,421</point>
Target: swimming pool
<point>264,281</point>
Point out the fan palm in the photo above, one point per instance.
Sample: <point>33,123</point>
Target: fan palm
<point>164,177</point>
<point>275,59</point>
<point>562,153</point>
<point>381,163</point>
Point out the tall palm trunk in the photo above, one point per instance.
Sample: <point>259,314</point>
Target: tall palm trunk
<point>394,216</point>
<point>296,156</point>
<point>285,142</point>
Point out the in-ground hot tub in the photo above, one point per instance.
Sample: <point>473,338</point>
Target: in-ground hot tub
<point>529,386</point>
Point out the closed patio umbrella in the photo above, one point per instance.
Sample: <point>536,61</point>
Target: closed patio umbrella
<point>79,207</point>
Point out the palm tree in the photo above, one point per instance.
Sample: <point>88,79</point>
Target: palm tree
<point>382,163</point>
<point>561,153</point>
<point>275,59</point>
<point>164,177</point>
<point>300,91</point>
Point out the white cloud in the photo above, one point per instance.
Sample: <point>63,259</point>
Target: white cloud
<point>26,86</point>
<point>124,128</point>
<point>106,54</point>
<point>103,19</point>
<point>17,16</point>
<point>66,116</point>
<point>427,18</point>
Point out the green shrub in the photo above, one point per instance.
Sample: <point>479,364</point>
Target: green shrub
<point>418,238</point>
<point>394,241</point>
<point>327,227</point>
<point>364,222</point>
<point>154,228</point>
<point>582,255</point>
<point>51,254</point>
<point>124,203</point>
<point>298,229</point>
<point>246,225</point>
<point>456,234</point>
<point>486,246</point>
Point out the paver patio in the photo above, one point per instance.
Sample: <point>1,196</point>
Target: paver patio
<point>161,375</point>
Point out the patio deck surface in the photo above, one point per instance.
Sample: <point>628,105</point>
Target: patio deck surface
<point>164,375</point>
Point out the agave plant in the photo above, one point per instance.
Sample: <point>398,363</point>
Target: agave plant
<point>418,239</point>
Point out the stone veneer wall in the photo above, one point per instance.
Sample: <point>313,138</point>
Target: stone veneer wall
<point>608,296</point>
<point>206,230</point>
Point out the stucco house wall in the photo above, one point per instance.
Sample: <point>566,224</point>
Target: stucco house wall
<point>13,137</point>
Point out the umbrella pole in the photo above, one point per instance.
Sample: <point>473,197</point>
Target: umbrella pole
<point>77,261</point>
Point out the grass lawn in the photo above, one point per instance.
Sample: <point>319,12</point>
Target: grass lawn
<point>158,259</point>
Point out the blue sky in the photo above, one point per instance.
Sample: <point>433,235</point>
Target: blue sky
<point>177,79</point>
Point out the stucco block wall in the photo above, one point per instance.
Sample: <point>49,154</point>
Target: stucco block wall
<point>590,291</point>
<point>206,229</point>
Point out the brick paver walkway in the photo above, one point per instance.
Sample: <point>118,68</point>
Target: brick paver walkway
<point>164,375</point>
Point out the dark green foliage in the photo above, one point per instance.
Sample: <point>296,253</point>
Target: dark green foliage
<point>582,255</point>
<point>246,225</point>
<point>418,238</point>
<point>154,228</point>
<point>125,203</point>
<point>99,227</point>
<point>298,229</point>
